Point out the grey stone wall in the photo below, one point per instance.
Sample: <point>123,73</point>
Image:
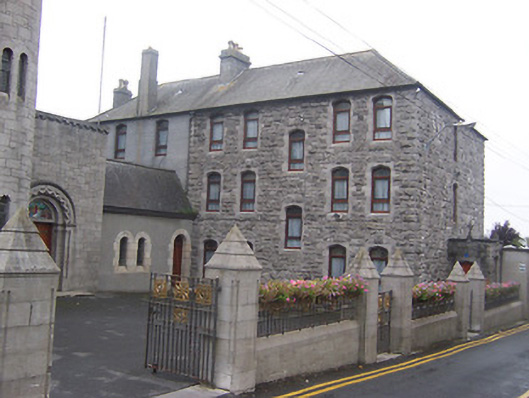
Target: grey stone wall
<point>19,31</point>
<point>159,232</point>
<point>419,220</point>
<point>141,139</point>
<point>71,157</point>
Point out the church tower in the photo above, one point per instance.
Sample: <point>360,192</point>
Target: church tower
<point>19,48</point>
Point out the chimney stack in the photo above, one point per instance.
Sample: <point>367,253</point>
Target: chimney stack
<point>232,62</point>
<point>122,94</point>
<point>148,86</point>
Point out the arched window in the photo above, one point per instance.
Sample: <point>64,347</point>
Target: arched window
<point>248,191</point>
<point>213,198</point>
<point>22,74</point>
<point>162,130</point>
<point>216,137</point>
<point>337,258</point>
<point>342,124</point>
<point>379,256</point>
<point>294,227</point>
<point>210,246</point>
<point>340,190</point>
<point>123,246</point>
<point>121,141</point>
<point>380,195</point>
<point>251,130</point>
<point>140,254</point>
<point>383,109</point>
<point>5,71</point>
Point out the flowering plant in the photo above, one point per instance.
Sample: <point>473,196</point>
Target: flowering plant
<point>278,294</point>
<point>433,291</point>
<point>496,290</point>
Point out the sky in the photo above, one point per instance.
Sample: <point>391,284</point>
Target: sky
<point>474,55</point>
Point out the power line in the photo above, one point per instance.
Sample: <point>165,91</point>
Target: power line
<point>506,210</point>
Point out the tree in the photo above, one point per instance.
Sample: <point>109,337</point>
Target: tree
<point>507,235</point>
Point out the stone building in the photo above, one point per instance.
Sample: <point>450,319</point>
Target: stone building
<point>312,159</point>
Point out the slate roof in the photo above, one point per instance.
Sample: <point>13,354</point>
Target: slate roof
<point>363,70</point>
<point>70,122</point>
<point>135,189</point>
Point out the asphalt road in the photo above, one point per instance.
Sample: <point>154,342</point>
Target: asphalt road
<point>494,367</point>
<point>99,348</point>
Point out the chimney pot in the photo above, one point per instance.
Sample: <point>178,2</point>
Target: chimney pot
<point>232,62</point>
<point>122,94</point>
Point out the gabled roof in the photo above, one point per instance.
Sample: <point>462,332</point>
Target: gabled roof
<point>140,190</point>
<point>364,70</point>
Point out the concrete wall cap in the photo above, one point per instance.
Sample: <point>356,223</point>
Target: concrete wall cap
<point>363,266</point>
<point>457,274</point>
<point>475,272</point>
<point>234,253</point>
<point>21,248</point>
<point>397,266</point>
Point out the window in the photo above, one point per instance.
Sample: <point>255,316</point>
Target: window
<point>454,203</point>
<point>336,261</point>
<point>217,134</point>
<point>123,243</point>
<point>248,191</point>
<point>213,198</point>
<point>382,114</point>
<point>250,244</point>
<point>340,190</point>
<point>4,210</point>
<point>162,129</point>
<point>296,150</point>
<point>380,190</point>
<point>140,254</point>
<point>251,130</point>
<point>210,247</point>
<point>294,227</point>
<point>5,72</point>
<point>22,73</point>
<point>379,256</point>
<point>121,140</point>
<point>341,130</point>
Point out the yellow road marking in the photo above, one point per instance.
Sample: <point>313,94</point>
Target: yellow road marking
<point>525,395</point>
<point>335,384</point>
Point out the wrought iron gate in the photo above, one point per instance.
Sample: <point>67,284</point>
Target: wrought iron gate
<point>384,321</point>
<point>182,326</point>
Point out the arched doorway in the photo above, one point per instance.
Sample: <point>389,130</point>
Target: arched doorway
<point>178,255</point>
<point>52,211</point>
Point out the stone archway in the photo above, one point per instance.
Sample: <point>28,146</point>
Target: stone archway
<point>53,213</point>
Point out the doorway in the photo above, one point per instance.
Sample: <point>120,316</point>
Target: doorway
<point>177,255</point>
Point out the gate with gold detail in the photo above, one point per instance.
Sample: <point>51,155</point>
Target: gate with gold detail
<point>182,326</point>
<point>384,321</point>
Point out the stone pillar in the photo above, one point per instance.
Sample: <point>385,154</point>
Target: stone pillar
<point>368,307</point>
<point>477,297</point>
<point>398,277</point>
<point>239,274</point>
<point>462,298</point>
<point>28,285</point>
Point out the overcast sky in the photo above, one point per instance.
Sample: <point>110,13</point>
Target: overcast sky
<point>474,55</point>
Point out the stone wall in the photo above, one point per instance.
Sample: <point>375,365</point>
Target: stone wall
<point>19,32</point>
<point>485,251</point>
<point>159,233</point>
<point>69,156</point>
<point>420,217</point>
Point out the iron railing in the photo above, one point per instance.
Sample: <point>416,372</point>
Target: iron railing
<point>495,302</point>
<point>296,317</point>
<point>182,326</point>
<point>421,309</point>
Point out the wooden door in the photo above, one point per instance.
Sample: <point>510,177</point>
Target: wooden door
<point>177,255</point>
<point>46,233</point>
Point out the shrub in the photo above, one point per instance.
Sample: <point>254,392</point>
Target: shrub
<point>278,294</point>
<point>433,291</point>
<point>497,290</point>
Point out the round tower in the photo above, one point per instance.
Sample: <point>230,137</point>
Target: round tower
<point>19,48</point>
